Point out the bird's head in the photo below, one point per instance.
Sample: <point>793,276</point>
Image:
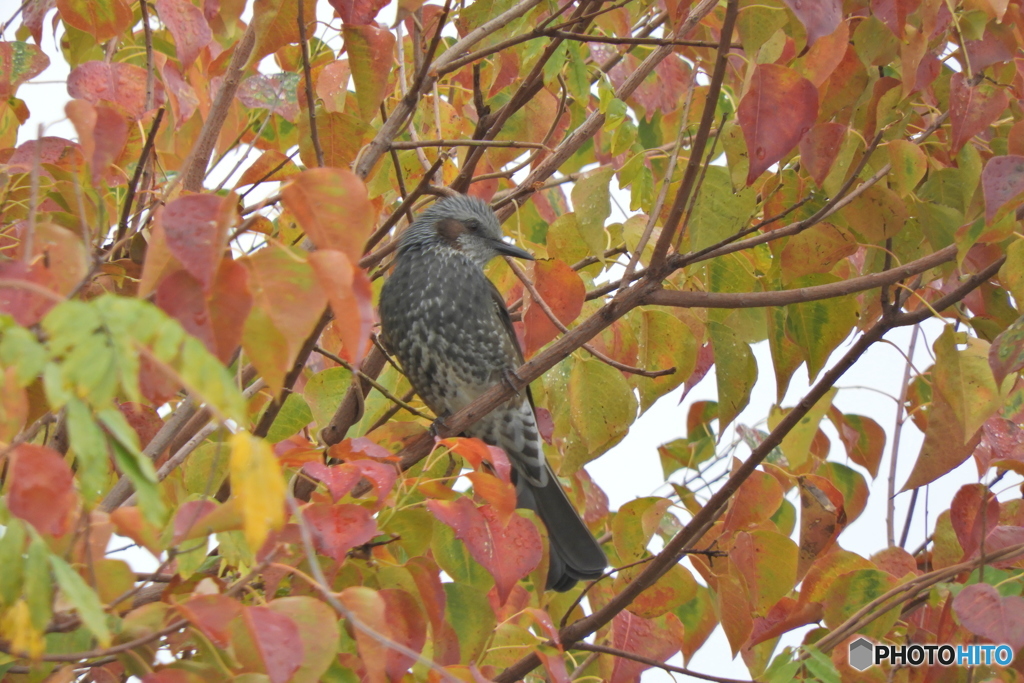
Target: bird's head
<point>464,224</point>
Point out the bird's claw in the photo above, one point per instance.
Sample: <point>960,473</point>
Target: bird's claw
<point>438,425</point>
<point>512,380</point>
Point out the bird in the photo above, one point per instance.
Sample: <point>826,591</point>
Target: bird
<point>450,330</point>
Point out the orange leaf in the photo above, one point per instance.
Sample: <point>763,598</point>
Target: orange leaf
<point>333,208</point>
<point>41,489</point>
<point>822,517</point>
<point>563,291</point>
<point>350,293</point>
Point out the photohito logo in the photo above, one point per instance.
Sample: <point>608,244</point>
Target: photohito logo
<point>864,654</point>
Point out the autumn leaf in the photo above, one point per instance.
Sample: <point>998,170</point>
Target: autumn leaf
<point>776,112</point>
<point>258,485</point>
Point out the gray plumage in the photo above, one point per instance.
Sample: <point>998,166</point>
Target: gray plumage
<point>449,328</point>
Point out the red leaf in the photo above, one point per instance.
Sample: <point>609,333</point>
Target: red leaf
<point>19,62</point>
<point>41,489</point>
<point>656,639</point>
<point>32,17</point>
<point>893,13</point>
<point>216,320</point>
<point>360,448</point>
<point>180,296</point>
<point>52,150</point>
<point>819,148</point>
<point>339,479</point>
<point>545,424</point>
<point>973,513</point>
<point>563,291</point>
<point>819,17</point>
<point>349,291</point>
<point>408,628</point>
<point>187,24</point>
<point>337,529</point>
<point>230,303</point>
<point>357,12</point>
<point>188,517</point>
<point>102,132</point>
<point>183,96</point>
<point>24,292</point>
<point>1002,181</point>
<point>143,419</point>
<point>984,612</point>
<point>779,108</point>
<point>972,109</point>
<point>196,227</point>
<point>508,553</point>
<point>117,82</point>
<point>1001,441</point>
<point>212,614</point>
<point>278,641</point>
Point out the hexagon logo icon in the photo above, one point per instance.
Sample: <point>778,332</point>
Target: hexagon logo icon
<point>861,654</point>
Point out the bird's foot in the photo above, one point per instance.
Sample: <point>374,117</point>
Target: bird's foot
<point>438,426</point>
<point>512,380</point>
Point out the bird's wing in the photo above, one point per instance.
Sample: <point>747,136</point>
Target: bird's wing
<point>506,320</point>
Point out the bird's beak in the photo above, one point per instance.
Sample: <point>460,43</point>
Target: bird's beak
<point>506,249</point>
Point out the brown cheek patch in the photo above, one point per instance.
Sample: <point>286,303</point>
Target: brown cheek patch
<point>449,230</point>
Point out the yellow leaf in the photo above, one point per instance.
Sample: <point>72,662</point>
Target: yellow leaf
<point>258,486</point>
<point>16,627</point>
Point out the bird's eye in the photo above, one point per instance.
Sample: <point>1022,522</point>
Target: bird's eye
<point>472,226</point>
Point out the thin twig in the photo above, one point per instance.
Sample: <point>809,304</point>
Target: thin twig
<point>539,300</point>
<point>622,654</point>
<point>896,431</point>
<point>310,102</point>
<point>147,149</point>
<point>373,383</point>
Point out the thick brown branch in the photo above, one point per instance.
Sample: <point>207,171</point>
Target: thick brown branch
<point>194,172</point>
<point>785,297</point>
<point>683,541</point>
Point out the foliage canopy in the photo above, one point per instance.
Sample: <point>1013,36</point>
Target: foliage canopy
<point>186,361</point>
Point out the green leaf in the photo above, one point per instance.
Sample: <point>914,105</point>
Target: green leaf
<point>324,392</point>
<point>136,466</point>
<point>84,599</point>
<point>820,665</point>
<point>719,212</point>
<point>735,372</point>
<point>818,327</point>
<point>90,447</point>
<point>664,342</point>
<point>20,349</point>
<point>592,201</point>
<point>796,445</point>
<point>469,611</point>
<point>294,416</point>
<point>38,590</point>
<point>601,424</point>
<point>12,550</point>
